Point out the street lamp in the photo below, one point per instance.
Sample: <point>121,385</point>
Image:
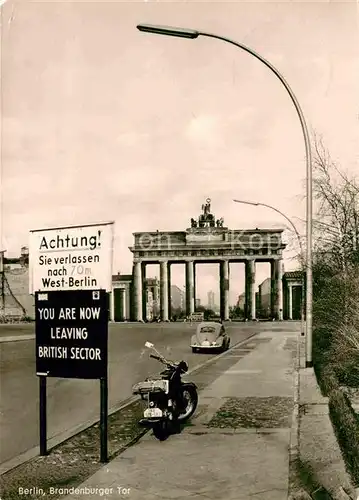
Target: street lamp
<point>191,34</point>
<point>301,252</point>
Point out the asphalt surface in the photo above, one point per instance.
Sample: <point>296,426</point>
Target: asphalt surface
<point>72,402</point>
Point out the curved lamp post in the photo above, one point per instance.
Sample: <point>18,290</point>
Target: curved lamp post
<point>191,34</point>
<point>301,252</point>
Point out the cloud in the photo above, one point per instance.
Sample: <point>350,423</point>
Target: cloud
<point>204,129</point>
<point>132,138</point>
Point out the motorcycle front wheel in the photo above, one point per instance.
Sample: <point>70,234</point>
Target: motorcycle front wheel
<point>190,398</point>
<point>161,430</point>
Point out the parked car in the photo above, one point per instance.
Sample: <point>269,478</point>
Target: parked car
<point>210,335</point>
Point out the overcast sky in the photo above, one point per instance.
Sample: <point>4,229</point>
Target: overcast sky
<point>102,122</point>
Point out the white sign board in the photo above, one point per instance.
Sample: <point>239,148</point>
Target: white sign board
<point>71,258</point>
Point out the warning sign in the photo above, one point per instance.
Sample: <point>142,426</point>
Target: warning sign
<point>72,333</point>
<point>71,258</point>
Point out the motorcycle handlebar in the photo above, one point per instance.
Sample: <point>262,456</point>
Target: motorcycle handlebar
<point>155,357</point>
<point>162,360</point>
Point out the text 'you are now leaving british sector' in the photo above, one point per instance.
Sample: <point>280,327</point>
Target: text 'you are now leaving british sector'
<point>71,328</point>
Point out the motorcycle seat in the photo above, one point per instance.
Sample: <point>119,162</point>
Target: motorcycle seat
<point>155,385</point>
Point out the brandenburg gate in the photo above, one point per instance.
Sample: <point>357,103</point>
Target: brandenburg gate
<point>207,241</point>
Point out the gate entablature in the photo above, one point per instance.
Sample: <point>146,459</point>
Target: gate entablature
<point>208,237</point>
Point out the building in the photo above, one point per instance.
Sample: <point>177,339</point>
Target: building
<point>16,262</point>
<point>150,299</point>
<point>16,301</point>
<point>293,286</point>
<point>292,296</point>
<point>241,301</point>
<point>197,303</point>
<point>257,303</point>
<point>152,291</point>
<point>264,299</point>
<point>121,304</point>
<point>177,298</point>
<point>120,300</point>
<point>211,303</point>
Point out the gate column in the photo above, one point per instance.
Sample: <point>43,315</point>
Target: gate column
<point>121,293</point>
<point>252,270</point>
<point>194,287</point>
<point>276,289</point>
<point>290,305</point>
<point>137,291</point>
<point>169,296</point>
<point>112,304</point>
<point>250,290</point>
<point>189,287</point>
<point>280,290</point>
<point>124,308</point>
<point>145,294</point>
<point>164,290</point>
<point>224,289</point>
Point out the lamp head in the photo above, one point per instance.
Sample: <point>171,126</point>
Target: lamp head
<point>246,202</point>
<point>168,30</point>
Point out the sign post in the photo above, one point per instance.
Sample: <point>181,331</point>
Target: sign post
<point>104,418</point>
<point>43,415</point>
<point>71,277</point>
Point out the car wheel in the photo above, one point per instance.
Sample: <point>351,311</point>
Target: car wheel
<point>194,349</point>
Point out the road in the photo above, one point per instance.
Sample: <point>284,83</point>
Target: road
<point>72,402</point>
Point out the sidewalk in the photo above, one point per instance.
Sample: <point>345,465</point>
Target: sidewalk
<point>237,445</point>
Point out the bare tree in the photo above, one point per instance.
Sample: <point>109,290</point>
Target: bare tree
<point>336,259</point>
<point>337,196</point>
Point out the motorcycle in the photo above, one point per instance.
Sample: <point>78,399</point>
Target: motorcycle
<point>169,400</point>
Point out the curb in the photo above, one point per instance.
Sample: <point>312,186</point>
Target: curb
<point>341,494</point>
<point>295,490</point>
<point>295,493</point>
<point>64,436</point>
<point>17,338</point>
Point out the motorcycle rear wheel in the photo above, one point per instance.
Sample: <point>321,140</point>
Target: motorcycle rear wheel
<point>161,430</point>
